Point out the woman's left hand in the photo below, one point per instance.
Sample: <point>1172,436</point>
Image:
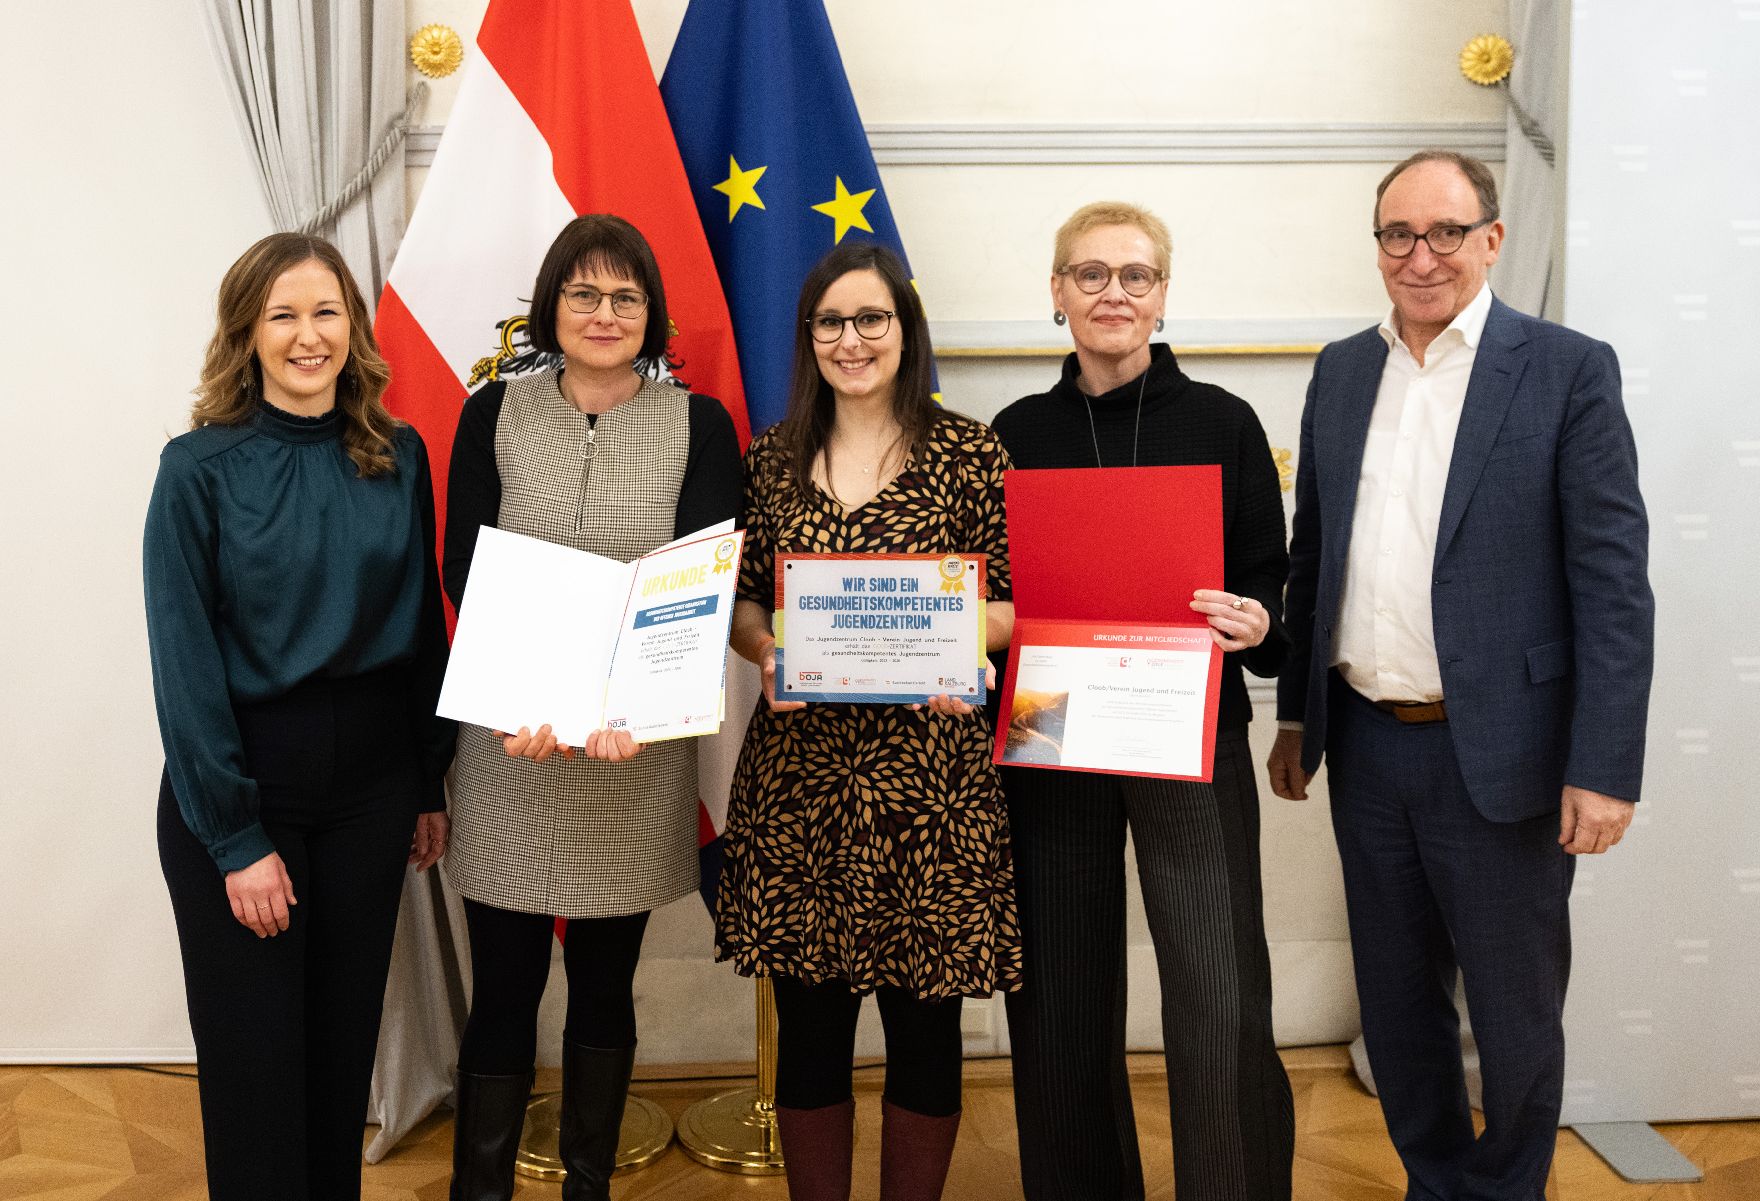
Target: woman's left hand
<point>432,831</point>
<point>1236,622</point>
<point>613,746</point>
<point>952,705</point>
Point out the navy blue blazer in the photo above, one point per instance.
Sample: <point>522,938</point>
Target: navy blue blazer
<point>1539,593</point>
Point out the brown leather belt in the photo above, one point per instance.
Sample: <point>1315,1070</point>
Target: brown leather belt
<point>1414,713</point>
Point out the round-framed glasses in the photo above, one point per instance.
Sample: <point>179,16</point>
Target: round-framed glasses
<point>870,324</point>
<point>1137,279</point>
<point>1398,242</point>
<point>583,299</point>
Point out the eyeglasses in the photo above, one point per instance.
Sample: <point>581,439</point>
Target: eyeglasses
<point>1397,243</point>
<point>871,324</point>
<point>1135,278</point>
<point>586,300</point>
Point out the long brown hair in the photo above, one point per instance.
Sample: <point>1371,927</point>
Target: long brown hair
<point>806,427</point>
<point>232,378</point>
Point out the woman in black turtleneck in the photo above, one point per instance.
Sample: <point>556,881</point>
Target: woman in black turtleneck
<point>1120,403</point>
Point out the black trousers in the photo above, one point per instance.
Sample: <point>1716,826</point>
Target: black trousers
<point>1430,884</point>
<point>1197,851</point>
<point>816,1045</point>
<point>286,1027</point>
<point>510,964</point>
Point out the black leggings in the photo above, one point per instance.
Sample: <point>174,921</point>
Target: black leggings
<point>285,1027</point>
<point>510,964</point>
<point>816,1044</point>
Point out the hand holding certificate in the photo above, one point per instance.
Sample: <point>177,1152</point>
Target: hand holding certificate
<point>885,629</point>
<point>548,634</point>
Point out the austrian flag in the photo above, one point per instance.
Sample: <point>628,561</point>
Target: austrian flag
<point>558,114</point>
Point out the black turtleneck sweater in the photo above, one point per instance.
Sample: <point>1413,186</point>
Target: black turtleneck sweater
<point>1183,423</point>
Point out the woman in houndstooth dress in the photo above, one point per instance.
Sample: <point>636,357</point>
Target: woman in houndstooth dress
<point>601,457</point>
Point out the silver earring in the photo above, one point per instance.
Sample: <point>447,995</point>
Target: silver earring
<point>1160,324</point>
<point>1059,317</point>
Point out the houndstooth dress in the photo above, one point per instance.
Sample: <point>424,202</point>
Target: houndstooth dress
<point>579,838</point>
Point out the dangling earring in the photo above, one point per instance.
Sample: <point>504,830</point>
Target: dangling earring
<point>1059,317</point>
<point>1160,324</point>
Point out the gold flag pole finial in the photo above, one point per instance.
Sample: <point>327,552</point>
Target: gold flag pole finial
<point>436,51</point>
<point>1487,59</point>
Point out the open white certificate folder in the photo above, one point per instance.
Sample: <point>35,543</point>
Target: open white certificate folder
<point>549,634</point>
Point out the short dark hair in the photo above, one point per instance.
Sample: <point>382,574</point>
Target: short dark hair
<point>811,409</point>
<point>602,242</point>
<point>1477,173</point>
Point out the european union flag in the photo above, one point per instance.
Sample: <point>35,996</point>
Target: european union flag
<point>778,164</point>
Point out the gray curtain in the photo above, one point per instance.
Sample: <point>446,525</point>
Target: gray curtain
<point>426,1002</point>
<point>1524,276</point>
<point>319,87</point>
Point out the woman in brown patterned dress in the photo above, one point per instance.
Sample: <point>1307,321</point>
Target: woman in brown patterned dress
<point>867,845</point>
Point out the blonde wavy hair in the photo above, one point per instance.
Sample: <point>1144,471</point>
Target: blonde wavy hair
<point>232,378</point>
<point>1113,212</point>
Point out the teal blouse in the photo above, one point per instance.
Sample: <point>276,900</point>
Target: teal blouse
<point>270,562</point>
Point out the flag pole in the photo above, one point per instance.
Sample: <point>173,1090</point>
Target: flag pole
<point>736,1131</point>
<point>644,1137</point>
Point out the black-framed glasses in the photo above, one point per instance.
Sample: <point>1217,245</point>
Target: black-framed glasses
<point>1137,279</point>
<point>870,324</point>
<point>625,303</point>
<point>1398,242</point>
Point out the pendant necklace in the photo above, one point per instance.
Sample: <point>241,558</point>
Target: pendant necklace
<point>1095,434</point>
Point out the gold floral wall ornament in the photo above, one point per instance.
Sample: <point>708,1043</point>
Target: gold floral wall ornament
<point>436,51</point>
<point>1487,59</point>
<point>1286,471</point>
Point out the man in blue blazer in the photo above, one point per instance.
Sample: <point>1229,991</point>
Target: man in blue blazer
<point>1471,625</point>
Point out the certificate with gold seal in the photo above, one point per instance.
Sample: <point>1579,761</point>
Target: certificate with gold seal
<point>553,635</point>
<point>879,629</point>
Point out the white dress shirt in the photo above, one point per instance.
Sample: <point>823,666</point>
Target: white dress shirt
<point>1385,642</point>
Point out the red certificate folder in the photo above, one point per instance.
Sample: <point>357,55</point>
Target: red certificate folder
<point>1119,550</point>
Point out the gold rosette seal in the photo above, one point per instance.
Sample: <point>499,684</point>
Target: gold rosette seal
<point>436,51</point>
<point>1487,59</point>
<point>724,557</point>
<point>953,574</point>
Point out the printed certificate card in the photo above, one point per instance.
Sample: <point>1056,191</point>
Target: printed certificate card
<point>883,629</point>
<point>549,634</point>
<point>1110,669</point>
<point>1127,699</point>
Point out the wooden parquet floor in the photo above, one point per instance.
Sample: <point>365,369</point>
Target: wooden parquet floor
<point>81,1134</point>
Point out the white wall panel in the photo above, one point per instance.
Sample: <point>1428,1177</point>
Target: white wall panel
<point>1663,261</point>
<point>128,194</point>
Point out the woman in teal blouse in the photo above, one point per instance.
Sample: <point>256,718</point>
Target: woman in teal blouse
<point>293,613</point>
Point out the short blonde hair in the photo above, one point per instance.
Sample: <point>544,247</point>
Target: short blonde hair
<point>1112,212</point>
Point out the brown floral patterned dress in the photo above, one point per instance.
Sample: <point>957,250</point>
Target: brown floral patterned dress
<point>869,843</point>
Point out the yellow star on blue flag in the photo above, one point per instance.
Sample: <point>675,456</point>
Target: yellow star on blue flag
<point>741,187</point>
<point>846,210</point>
<point>761,82</point>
